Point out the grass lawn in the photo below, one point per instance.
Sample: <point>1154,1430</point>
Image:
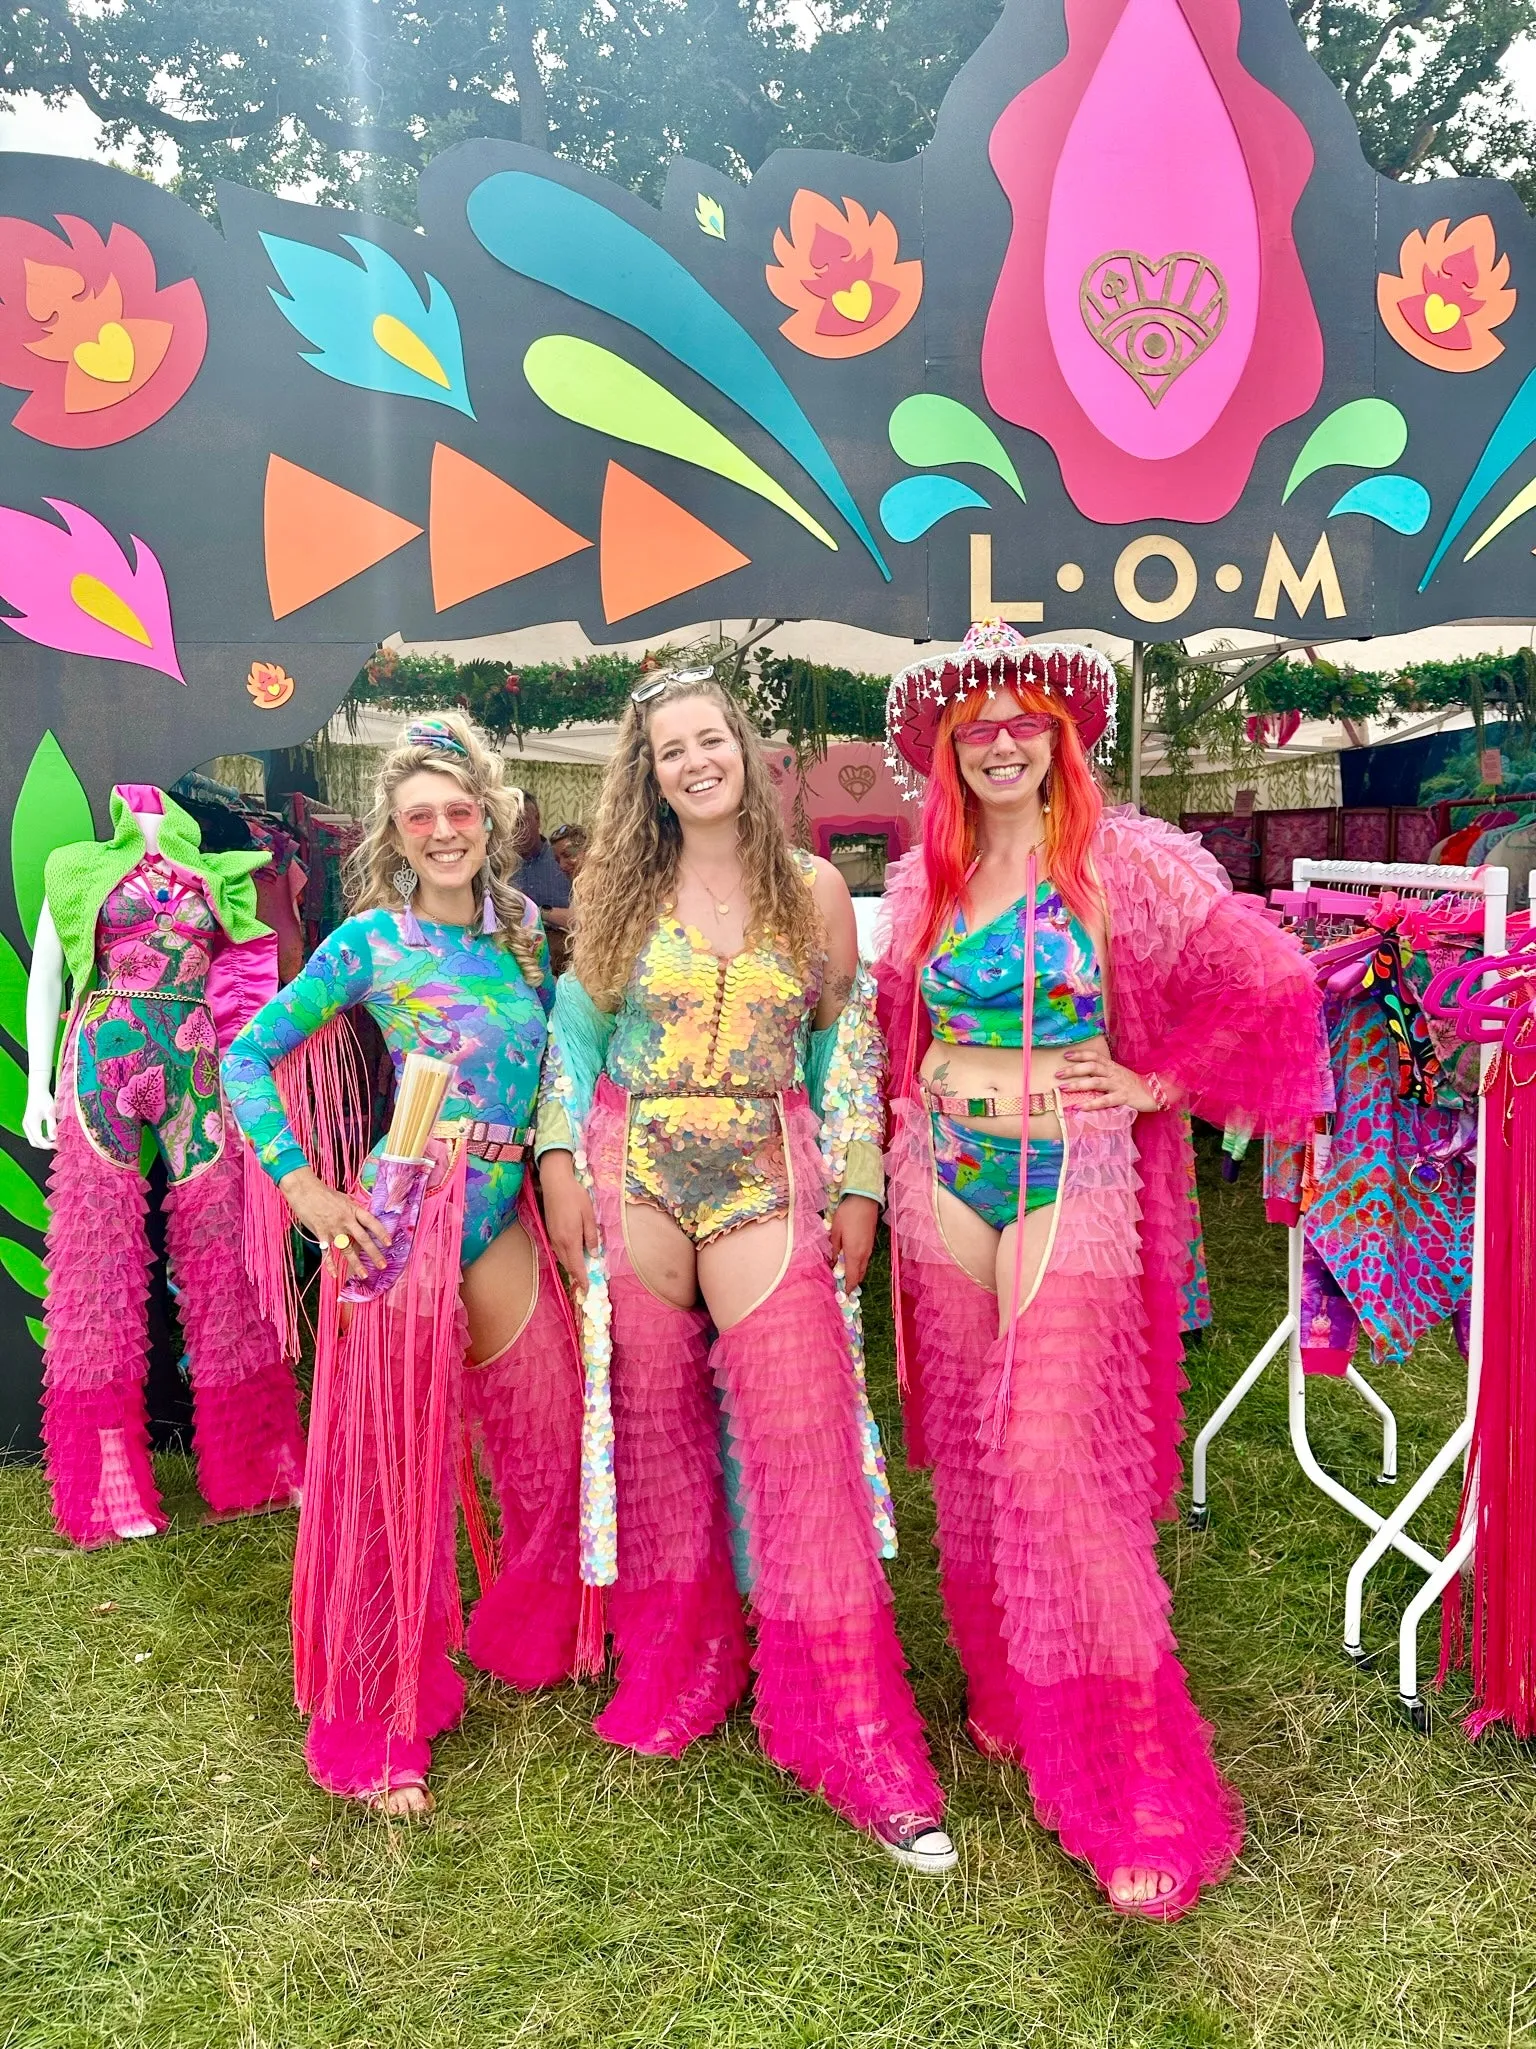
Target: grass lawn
<point>168,1875</point>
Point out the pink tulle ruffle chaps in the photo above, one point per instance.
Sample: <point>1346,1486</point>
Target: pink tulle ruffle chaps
<point>832,1705</point>
<point>1047,1541</point>
<point>246,1435</point>
<point>376,1609</point>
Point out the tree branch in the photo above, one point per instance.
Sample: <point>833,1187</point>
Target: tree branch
<point>531,99</point>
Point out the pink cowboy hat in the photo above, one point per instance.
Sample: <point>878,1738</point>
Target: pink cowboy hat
<point>992,656</point>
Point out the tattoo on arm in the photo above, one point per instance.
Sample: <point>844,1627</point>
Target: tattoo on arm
<point>835,991</point>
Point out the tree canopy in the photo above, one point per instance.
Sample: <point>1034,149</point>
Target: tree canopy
<point>348,99</point>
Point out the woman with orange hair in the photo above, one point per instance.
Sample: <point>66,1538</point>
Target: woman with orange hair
<point>1059,985</point>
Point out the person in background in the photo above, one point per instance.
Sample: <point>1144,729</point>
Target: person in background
<point>544,881</point>
<point>568,843</point>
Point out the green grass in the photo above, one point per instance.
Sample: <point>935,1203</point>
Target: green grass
<point>168,1876</point>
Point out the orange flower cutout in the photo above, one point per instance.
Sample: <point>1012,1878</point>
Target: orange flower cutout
<point>269,685</point>
<point>1452,292</point>
<point>838,273</point>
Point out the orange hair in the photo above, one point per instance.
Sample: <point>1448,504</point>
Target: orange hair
<point>951,815</point>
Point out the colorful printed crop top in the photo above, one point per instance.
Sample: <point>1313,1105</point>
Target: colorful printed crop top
<point>156,933</point>
<point>973,986</point>
<point>695,1024</point>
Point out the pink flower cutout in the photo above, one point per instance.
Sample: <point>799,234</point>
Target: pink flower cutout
<point>144,1096</point>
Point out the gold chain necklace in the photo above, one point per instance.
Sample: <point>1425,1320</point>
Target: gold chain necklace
<point>721,910</point>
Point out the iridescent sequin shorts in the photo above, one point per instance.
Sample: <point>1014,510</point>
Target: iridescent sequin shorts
<point>713,1163</point>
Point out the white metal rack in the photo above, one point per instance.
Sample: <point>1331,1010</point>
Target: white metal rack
<point>1390,1531</point>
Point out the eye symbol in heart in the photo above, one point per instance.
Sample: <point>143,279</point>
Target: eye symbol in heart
<point>1439,315</point>
<point>1154,318</point>
<point>110,357</point>
<point>858,779</point>
<point>855,300</point>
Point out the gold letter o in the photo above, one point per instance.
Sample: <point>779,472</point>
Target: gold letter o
<point>1186,578</point>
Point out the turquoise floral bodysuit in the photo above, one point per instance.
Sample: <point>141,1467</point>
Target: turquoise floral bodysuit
<point>460,996</point>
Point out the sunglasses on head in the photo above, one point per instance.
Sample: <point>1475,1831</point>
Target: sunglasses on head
<point>563,832</point>
<point>1029,725</point>
<point>648,692</point>
<point>420,822</point>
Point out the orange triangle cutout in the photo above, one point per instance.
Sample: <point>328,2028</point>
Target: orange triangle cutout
<point>653,549</point>
<point>319,536</point>
<point>485,533</point>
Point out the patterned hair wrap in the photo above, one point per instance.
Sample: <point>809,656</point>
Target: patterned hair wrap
<point>438,735</point>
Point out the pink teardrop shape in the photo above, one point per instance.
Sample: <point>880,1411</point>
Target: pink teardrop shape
<point>1152,165</point>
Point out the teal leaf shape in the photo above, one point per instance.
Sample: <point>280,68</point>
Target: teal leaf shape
<point>24,1267</point>
<point>13,1092</point>
<point>51,811</point>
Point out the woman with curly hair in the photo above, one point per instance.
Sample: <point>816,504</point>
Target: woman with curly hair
<point>474,1344</point>
<point>715,998</point>
<point>1060,985</point>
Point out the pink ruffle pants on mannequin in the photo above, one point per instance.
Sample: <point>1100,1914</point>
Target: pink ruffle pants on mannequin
<point>245,1418</point>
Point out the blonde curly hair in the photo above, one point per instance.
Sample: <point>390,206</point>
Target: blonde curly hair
<point>631,865</point>
<point>371,870</point>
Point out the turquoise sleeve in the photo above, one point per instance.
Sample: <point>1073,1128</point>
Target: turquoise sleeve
<point>337,975</point>
<point>579,1037</point>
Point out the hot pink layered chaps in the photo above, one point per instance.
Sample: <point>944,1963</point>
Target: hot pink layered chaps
<point>832,1704</point>
<point>376,1706</point>
<point>245,1415</point>
<point>1046,1540</point>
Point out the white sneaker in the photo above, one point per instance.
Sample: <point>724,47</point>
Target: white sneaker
<point>917,1841</point>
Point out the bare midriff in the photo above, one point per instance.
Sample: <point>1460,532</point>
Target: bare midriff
<point>997,1071</point>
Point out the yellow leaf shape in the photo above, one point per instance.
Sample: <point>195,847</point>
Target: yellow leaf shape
<point>100,602</point>
<point>407,347</point>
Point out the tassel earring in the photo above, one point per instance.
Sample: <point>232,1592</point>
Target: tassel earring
<point>489,922</point>
<point>406,880</point>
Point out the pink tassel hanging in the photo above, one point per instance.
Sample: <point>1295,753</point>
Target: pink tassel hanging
<point>320,1087</point>
<point>1004,1398</point>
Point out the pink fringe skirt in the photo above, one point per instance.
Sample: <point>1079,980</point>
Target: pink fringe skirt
<point>1047,1539</point>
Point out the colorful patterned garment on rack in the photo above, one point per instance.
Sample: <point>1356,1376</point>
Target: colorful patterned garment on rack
<point>973,986</point>
<point>706,1046</point>
<point>1392,1217</point>
<point>459,996</point>
<point>145,1054</point>
<point>1418,1064</point>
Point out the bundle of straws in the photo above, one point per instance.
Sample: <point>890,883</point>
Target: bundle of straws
<point>418,1105</point>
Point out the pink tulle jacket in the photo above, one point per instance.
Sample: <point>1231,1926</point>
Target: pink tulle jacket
<point>1200,988</point>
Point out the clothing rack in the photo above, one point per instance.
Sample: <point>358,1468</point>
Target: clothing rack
<point>1390,1531</point>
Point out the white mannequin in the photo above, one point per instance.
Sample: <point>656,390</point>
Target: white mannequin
<point>45,1000</point>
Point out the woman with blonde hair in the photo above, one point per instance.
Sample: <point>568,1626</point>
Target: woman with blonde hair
<point>715,998</point>
<point>472,1346</point>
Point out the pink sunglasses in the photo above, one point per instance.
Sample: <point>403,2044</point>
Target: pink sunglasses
<point>1029,725</point>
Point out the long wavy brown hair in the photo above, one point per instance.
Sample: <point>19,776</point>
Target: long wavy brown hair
<point>631,865</point>
<point>370,883</point>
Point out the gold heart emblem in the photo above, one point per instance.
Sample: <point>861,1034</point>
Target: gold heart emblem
<point>858,779</point>
<point>1440,317</point>
<point>109,359</point>
<point>855,300</point>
